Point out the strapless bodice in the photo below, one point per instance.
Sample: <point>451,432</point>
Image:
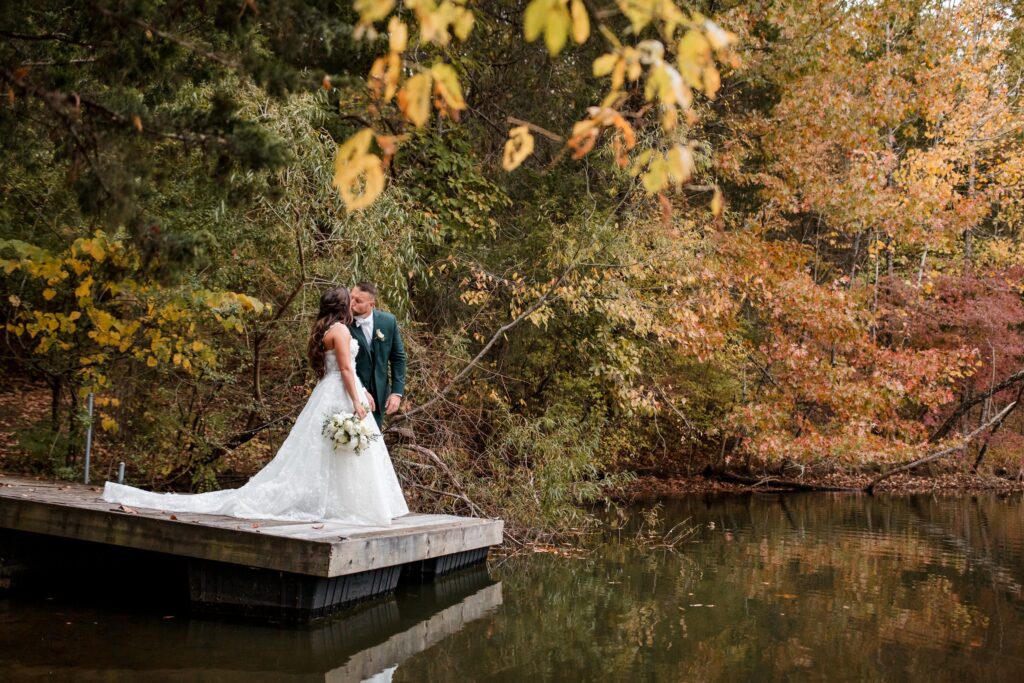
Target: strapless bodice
<point>331,358</point>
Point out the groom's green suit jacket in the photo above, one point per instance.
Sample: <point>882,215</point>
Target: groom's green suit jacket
<point>380,365</point>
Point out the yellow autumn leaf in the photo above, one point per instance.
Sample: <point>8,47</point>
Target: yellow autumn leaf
<point>712,81</point>
<point>373,10</point>
<point>640,161</point>
<point>650,51</point>
<point>535,18</point>
<point>93,248</point>
<point>657,175</point>
<point>556,31</point>
<point>517,148</point>
<point>463,24</point>
<point>717,203</point>
<point>151,361</point>
<point>680,164</point>
<point>694,47</point>
<point>398,35</point>
<point>355,147</point>
<point>49,293</point>
<point>693,55</point>
<point>639,12</point>
<point>446,81</point>
<point>108,424</point>
<point>365,171</point>
<point>414,98</point>
<point>83,290</point>
<point>718,37</point>
<point>604,64</point>
<point>580,21</point>
<point>384,76</point>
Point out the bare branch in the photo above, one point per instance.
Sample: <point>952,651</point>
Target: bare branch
<point>995,421</point>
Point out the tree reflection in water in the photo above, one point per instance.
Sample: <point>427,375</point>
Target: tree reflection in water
<point>815,586</point>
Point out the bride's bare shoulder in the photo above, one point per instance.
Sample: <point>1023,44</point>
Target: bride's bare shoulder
<point>338,331</point>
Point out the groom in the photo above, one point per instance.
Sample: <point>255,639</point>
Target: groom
<point>380,350</point>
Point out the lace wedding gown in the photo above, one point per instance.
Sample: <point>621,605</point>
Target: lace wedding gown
<point>307,480</point>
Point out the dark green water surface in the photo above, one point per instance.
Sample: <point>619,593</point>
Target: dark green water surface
<point>768,587</point>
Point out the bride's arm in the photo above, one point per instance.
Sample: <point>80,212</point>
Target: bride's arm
<point>342,339</point>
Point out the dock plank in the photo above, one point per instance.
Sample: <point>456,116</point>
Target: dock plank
<point>325,549</point>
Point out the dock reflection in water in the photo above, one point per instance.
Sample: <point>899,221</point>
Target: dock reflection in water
<point>46,639</point>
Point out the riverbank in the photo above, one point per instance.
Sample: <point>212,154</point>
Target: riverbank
<point>949,483</point>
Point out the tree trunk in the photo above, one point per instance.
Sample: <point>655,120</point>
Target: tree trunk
<point>55,391</point>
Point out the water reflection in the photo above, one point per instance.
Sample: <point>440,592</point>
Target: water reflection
<point>45,640</point>
<point>796,587</point>
<point>771,588</point>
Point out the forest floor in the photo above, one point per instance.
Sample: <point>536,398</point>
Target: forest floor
<point>22,403</point>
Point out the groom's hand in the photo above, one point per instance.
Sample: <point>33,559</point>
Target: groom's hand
<point>391,407</point>
<point>369,399</point>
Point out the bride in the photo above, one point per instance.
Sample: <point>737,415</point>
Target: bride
<point>307,480</point>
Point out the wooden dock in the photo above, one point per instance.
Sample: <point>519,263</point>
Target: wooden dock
<point>292,570</point>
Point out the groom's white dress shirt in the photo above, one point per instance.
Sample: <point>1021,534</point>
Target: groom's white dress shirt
<point>365,325</point>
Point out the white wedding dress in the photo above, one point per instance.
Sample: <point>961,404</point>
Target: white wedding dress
<point>307,480</point>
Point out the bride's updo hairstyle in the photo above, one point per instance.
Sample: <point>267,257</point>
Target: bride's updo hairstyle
<point>334,308</point>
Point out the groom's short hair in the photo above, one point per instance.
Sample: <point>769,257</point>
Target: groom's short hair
<point>367,287</point>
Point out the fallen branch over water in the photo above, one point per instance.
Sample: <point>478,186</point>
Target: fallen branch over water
<point>947,426</point>
<point>994,422</point>
<point>776,483</point>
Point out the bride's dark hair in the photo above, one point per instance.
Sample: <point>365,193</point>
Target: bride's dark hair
<point>334,308</point>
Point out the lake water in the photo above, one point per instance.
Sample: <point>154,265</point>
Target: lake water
<point>767,587</point>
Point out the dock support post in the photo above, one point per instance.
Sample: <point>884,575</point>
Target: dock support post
<point>88,439</point>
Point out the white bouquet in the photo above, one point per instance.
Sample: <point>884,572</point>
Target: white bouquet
<point>347,432</point>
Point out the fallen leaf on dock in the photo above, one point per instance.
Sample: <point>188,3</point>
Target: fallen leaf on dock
<point>318,526</point>
<point>125,508</point>
<point>255,525</point>
<point>174,517</point>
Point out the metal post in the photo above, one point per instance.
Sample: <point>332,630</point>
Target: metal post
<point>120,473</point>
<point>88,440</point>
